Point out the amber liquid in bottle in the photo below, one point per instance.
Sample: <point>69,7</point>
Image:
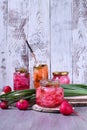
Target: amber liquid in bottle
<point>40,72</point>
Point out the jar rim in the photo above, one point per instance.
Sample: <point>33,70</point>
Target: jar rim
<point>40,65</point>
<point>49,83</point>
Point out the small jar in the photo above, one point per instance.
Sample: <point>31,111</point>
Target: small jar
<point>49,94</point>
<point>21,79</point>
<point>62,77</point>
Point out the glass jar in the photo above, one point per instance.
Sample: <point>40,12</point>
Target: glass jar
<point>40,72</point>
<point>49,94</point>
<point>21,79</point>
<point>62,77</point>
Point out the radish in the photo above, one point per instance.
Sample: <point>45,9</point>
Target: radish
<point>7,89</point>
<point>4,105</point>
<point>22,104</point>
<point>66,108</point>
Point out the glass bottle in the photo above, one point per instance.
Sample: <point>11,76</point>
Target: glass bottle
<point>49,94</point>
<point>40,72</point>
<point>62,77</point>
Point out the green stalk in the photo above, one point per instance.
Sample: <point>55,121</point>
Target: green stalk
<point>12,101</point>
<point>18,93</point>
<point>14,96</point>
<point>68,93</point>
<point>30,94</point>
<point>74,89</point>
<point>76,86</point>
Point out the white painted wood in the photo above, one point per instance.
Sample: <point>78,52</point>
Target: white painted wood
<point>3,41</point>
<point>33,13</point>
<point>56,31</point>
<point>80,41</point>
<point>61,36</point>
<point>17,51</point>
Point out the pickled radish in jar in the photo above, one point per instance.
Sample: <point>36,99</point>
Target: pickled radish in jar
<point>49,95</point>
<point>21,79</point>
<point>62,77</point>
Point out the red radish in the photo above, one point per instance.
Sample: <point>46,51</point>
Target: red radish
<point>4,105</point>
<point>66,108</point>
<point>7,89</point>
<point>22,104</point>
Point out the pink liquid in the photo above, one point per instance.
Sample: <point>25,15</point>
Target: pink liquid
<point>62,77</point>
<point>49,96</point>
<point>64,80</point>
<point>21,81</point>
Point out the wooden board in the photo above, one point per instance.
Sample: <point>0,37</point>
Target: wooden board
<point>56,109</point>
<point>44,109</point>
<point>77,100</point>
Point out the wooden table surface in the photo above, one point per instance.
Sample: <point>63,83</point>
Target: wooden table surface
<point>14,119</point>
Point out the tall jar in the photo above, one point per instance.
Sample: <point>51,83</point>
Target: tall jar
<point>21,79</point>
<point>40,72</point>
<point>62,77</point>
<point>49,94</point>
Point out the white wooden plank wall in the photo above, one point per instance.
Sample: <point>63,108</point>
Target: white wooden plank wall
<point>61,36</point>
<point>16,47</point>
<point>56,31</point>
<point>79,53</point>
<point>3,41</point>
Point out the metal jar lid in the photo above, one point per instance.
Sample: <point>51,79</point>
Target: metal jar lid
<point>49,83</point>
<point>62,73</point>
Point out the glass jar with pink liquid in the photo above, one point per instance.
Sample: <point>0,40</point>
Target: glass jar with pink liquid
<point>21,79</point>
<point>62,77</point>
<point>49,94</point>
